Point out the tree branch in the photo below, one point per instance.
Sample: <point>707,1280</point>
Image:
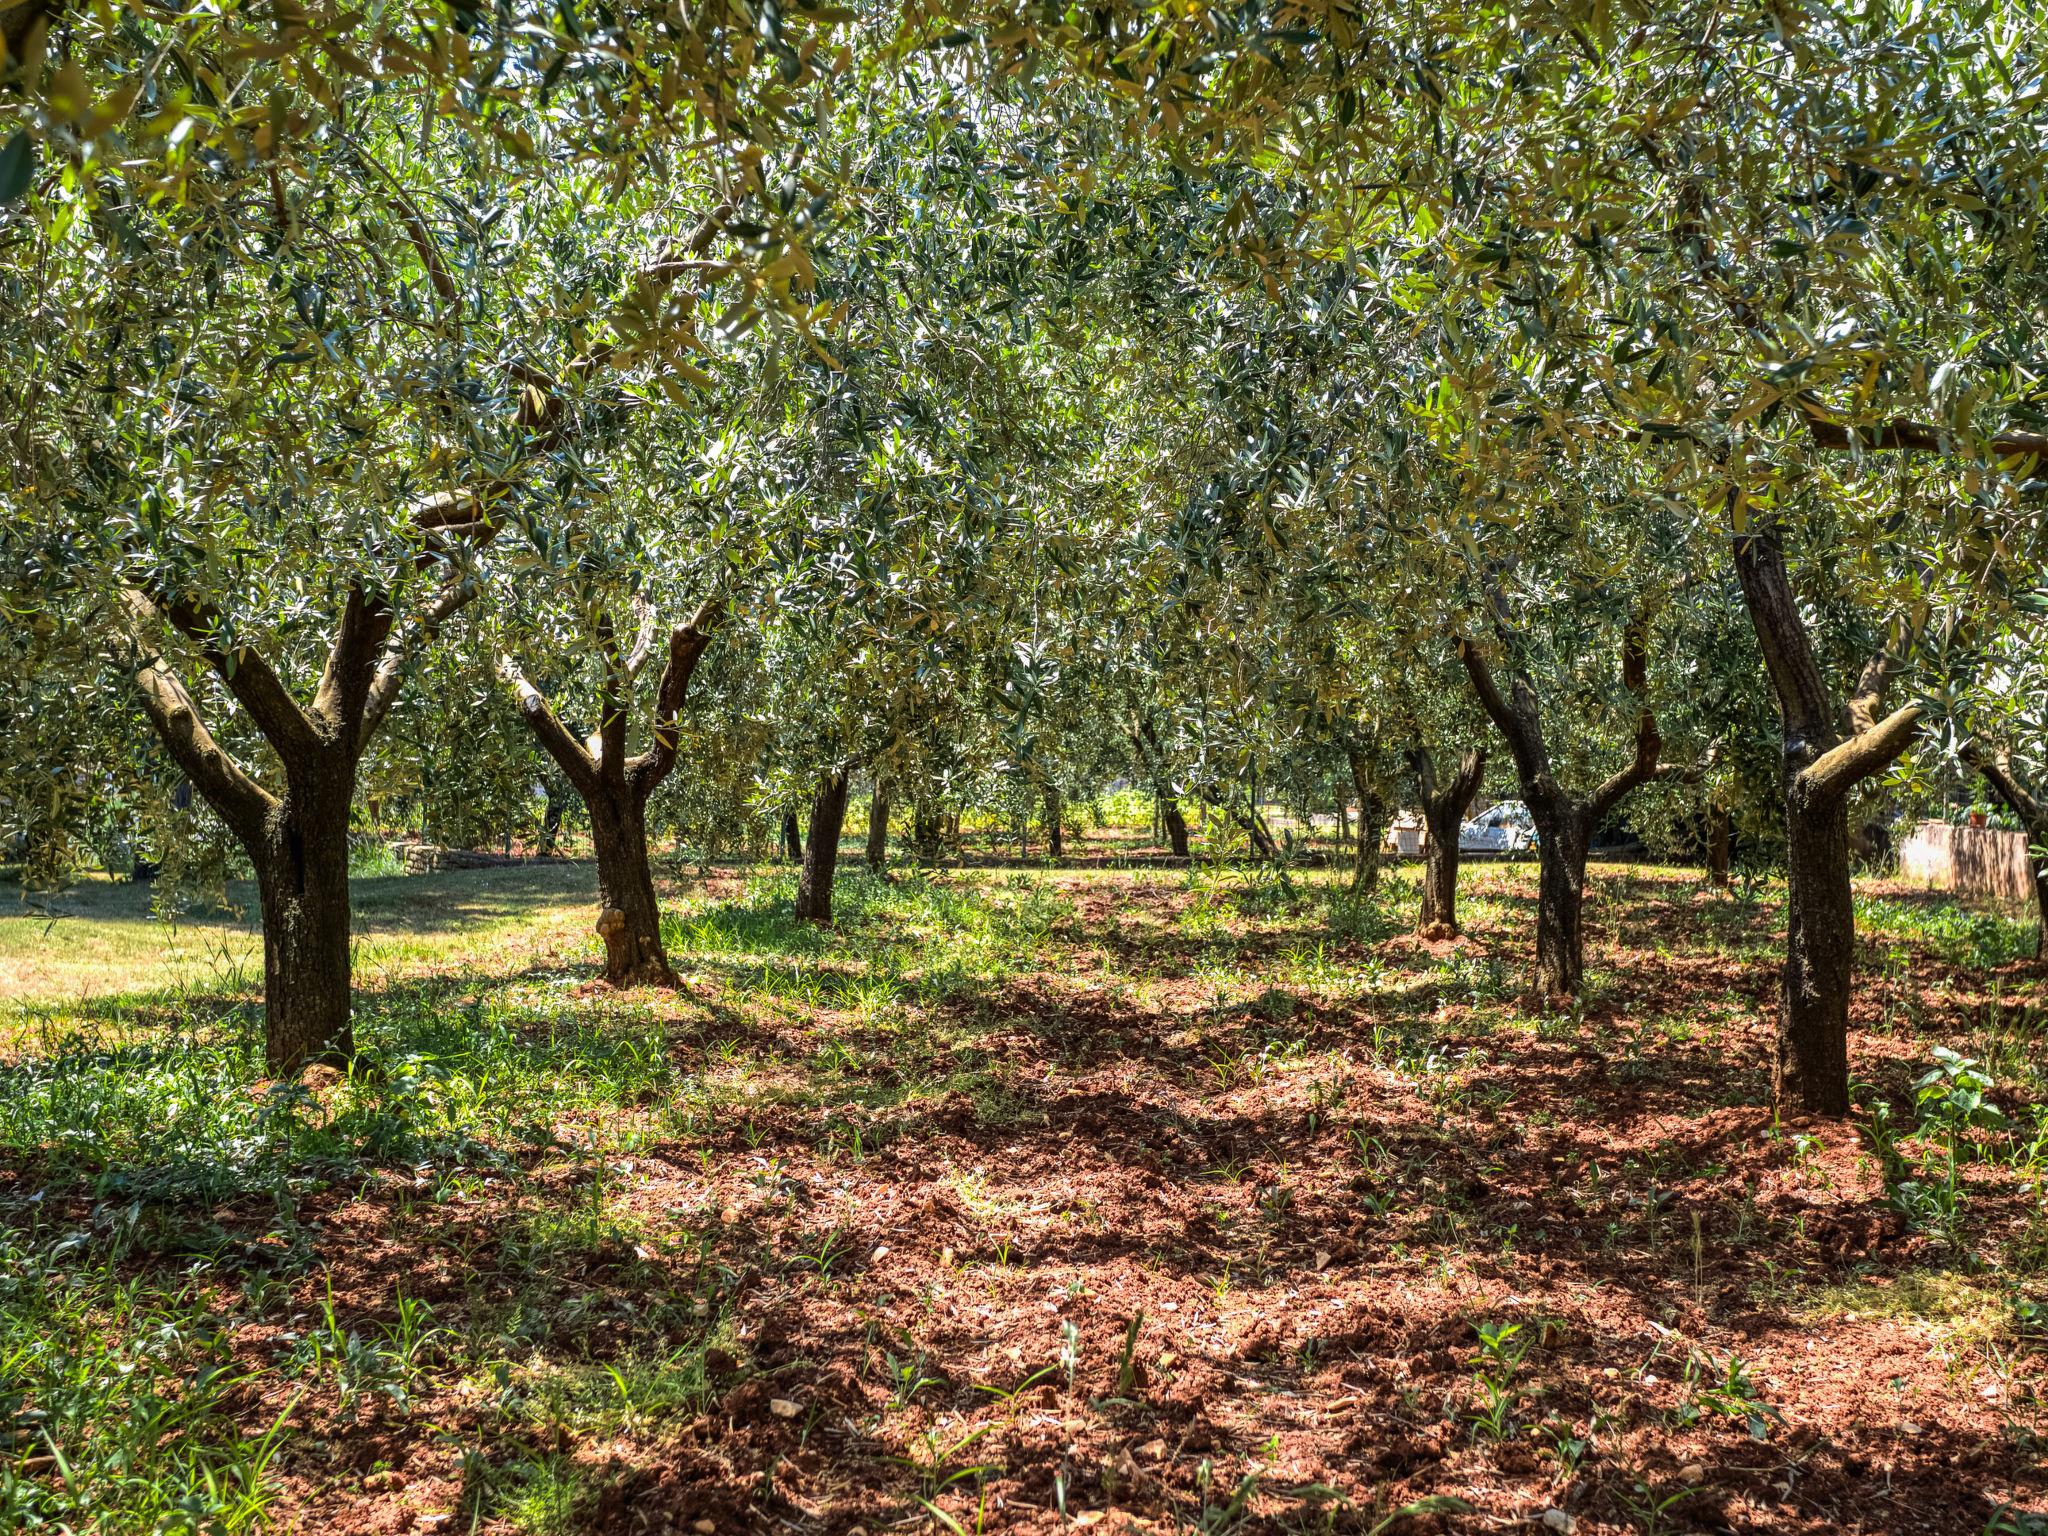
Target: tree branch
<point>555,737</point>
<point>1907,435</point>
<point>1838,770</point>
<point>248,676</point>
<point>238,799</point>
<point>686,645</point>
<point>455,594</point>
<point>1781,634</point>
<point>1996,767</point>
<point>1516,721</point>
<point>1635,677</point>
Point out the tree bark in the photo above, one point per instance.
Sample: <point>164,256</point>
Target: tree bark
<point>1372,823</point>
<point>615,788</point>
<point>550,821</point>
<point>1819,768</point>
<point>1176,826</point>
<point>1564,822</point>
<point>629,915</point>
<point>1444,804</point>
<point>296,841</point>
<point>1718,837</point>
<point>1055,811</point>
<point>792,836</point>
<point>301,864</point>
<point>926,829</point>
<point>878,827</point>
<point>821,851</point>
<point>1563,832</point>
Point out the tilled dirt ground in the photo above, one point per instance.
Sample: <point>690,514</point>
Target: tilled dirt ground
<point>1245,1243</point>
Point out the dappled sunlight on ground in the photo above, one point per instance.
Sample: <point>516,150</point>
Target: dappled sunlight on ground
<point>1188,1199</point>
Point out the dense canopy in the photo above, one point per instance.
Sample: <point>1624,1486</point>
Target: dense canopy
<point>691,437</point>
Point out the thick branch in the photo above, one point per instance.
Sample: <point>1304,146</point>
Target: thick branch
<point>1635,676</point>
<point>555,737</point>
<point>240,801</point>
<point>383,689</point>
<point>1517,720</point>
<point>685,646</point>
<point>345,682</point>
<point>248,676</point>
<point>1839,770</point>
<point>1781,634</point>
<point>1905,434</point>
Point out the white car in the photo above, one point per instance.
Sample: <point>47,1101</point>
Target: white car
<point>1504,828</point>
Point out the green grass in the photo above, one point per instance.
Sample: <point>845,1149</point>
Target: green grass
<point>178,1319</point>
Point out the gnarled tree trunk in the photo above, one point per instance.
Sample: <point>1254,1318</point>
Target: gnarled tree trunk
<point>1055,811</point>
<point>297,841</point>
<point>1563,831</point>
<point>1444,804</point>
<point>1819,769</point>
<point>821,851</point>
<point>629,915</point>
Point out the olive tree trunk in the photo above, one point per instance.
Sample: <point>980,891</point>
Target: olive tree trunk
<point>1444,804</point>
<point>1055,812</point>
<point>301,863</point>
<point>1176,826</point>
<point>1564,821</point>
<point>615,788</point>
<point>297,841</point>
<point>1821,764</point>
<point>1718,838</point>
<point>821,851</point>
<point>878,827</point>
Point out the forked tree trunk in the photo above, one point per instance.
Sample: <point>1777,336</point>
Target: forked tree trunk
<point>1819,769</point>
<point>1054,812</point>
<point>1565,822</point>
<point>1444,804</point>
<point>1718,837</point>
<point>615,788</point>
<point>301,863</point>
<point>878,827</point>
<point>821,851</point>
<point>1176,826</point>
<point>297,841</point>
